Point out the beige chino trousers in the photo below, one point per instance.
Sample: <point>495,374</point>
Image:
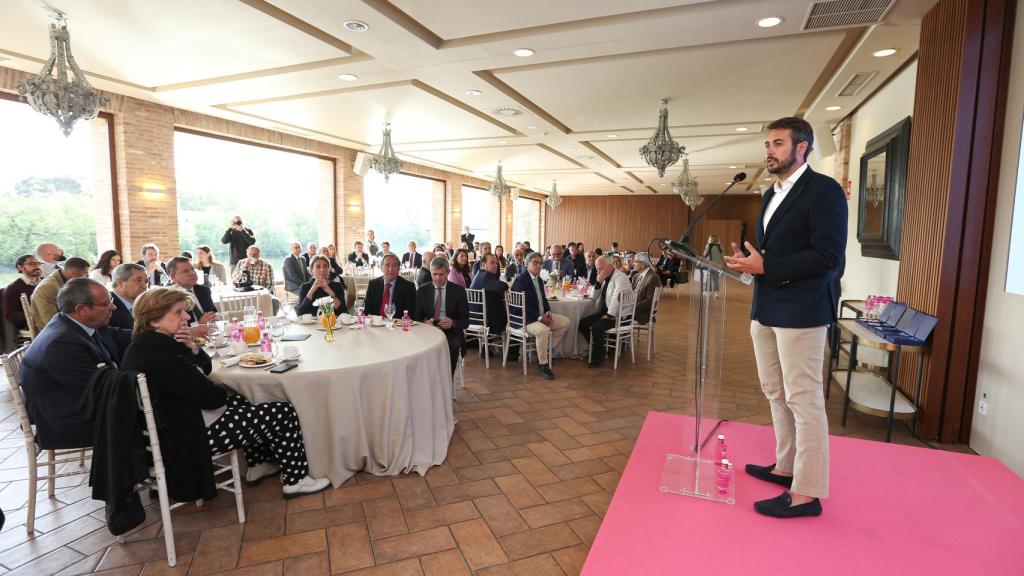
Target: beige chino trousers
<point>541,331</point>
<point>789,365</point>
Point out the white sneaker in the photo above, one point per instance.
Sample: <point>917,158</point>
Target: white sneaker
<point>260,471</point>
<point>306,486</point>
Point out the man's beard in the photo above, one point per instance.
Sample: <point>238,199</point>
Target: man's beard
<point>782,166</point>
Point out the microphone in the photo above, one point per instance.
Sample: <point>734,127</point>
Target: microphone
<point>735,180</point>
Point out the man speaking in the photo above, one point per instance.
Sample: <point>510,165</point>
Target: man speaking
<point>800,253</point>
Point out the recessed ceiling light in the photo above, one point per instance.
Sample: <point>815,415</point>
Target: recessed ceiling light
<point>767,179</point>
<point>348,77</point>
<point>742,129</point>
<point>733,167</point>
<point>883,53</point>
<point>613,135</point>
<point>473,92</point>
<point>571,149</point>
<point>356,26</point>
<point>833,108</point>
<point>524,52</point>
<point>531,127</point>
<point>502,141</point>
<point>770,22</point>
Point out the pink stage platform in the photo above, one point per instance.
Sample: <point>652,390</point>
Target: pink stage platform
<point>893,510</point>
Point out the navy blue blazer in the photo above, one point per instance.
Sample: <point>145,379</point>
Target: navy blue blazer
<point>804,250</point>
<point>54,375</point>
<point>534,309</point>
<point>494,299</point>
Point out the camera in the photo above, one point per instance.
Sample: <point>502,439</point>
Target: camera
<point>238,221</point>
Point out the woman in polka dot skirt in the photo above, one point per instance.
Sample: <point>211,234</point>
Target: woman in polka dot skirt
<point>197,418</point>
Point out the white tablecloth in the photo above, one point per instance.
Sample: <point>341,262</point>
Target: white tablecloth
<point>575,309</point>
<point>375,399</point>
<point>263,298</point>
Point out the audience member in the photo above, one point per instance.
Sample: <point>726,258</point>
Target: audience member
<point>295,271</point>
<point>200,417</point>
<point>130,281</point>
<point>239,238</point>
<point>644,282</point>
<point>357,257</point>
<point>494,288</point>
<point>527,250</point>
<point>371,243</point>
<point>44,297</point>
<point>461,273</point>
<point>579,261</point>
<point>58,365</point>
<point>50,256</point>
<point>331,253</point>
<point>29,276</point>
<point>449,250</point>
<point>467,236</point>
<point>184,276</point>
<point>390,288</point>
<point>485,249</point>
<point>615,249</point>
<point>444,305</point>
<point>517,266</point>
<point>155,269</point>
<point>547,326</point>
<point>499,251</point>
<point>412,259</point>
<point>423,272</point>
<point>385,250</point>
<point>320,286</point>
<point>101,271</point>
<point>590,267</point>
<point>668,268</point>
<point>309,253</point>
<point>259,271</point>
<point>213,271</point>
<point>613,282</point>
<point>560,262</point>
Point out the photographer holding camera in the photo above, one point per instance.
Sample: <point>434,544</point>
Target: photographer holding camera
<point>240,238</point>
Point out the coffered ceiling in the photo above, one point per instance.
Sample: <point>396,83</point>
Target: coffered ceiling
<point>576,111</point>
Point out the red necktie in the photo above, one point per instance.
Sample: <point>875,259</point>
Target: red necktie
<point>387,298</point>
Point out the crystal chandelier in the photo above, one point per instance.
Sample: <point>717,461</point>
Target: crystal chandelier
<point>661,151</point>
<point>554,200</point>
<point>385,161</point>
<point>686,185</point>
<point>875,193</point>
<point>499,187</point>
<point>67,100</point>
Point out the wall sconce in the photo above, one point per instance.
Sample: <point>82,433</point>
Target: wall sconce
<point>153,191</point>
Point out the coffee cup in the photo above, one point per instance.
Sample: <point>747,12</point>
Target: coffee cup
<point>306,318</point>
<point>238,348</point>
<point>291,352</point>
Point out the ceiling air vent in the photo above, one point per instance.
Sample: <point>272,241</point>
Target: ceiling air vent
<point>837,13</point>
<point>507,111</point>
<point>857,83</point>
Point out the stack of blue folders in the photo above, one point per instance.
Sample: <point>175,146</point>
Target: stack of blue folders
<point>901,324</point>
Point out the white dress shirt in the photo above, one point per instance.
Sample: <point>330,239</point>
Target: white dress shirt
<point>781,190</point>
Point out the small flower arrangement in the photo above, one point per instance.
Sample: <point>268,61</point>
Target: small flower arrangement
<point>326,307</point>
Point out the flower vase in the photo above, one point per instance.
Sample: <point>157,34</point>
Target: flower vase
<point>329,333</point>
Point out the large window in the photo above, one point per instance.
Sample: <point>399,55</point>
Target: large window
<point>278,194</point>
<point>52,188</point>
<point>1015,266</point>
<point>526,221</point>
<point>403,209</point>
<point>480,213</point>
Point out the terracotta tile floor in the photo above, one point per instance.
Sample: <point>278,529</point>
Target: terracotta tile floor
<point>530,473</point>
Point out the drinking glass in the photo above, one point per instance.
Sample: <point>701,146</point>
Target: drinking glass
<point>390,311</point>
<point>277,328</point>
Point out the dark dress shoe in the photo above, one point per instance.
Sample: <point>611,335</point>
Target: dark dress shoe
<point>546,372</point>
<point>765,473</point>
<point>782,507</point>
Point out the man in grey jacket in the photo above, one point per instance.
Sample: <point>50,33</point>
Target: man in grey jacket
<point>295,272</point>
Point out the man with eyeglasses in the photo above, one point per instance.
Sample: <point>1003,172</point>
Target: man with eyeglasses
<point>61,360</point>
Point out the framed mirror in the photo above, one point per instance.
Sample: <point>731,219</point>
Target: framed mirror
<point>883,183</point>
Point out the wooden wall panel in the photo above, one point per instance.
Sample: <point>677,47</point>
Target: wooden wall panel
<point>632,221</point>
<point>958,101</point>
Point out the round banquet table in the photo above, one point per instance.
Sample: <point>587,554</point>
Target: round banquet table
<point>264,301</point>
<point>575,309</point>
<point>375,399</point>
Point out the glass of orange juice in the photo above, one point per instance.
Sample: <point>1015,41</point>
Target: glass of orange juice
<point>251,333</point>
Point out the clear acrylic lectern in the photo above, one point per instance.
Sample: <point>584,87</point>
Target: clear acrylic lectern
<point>692,471</point>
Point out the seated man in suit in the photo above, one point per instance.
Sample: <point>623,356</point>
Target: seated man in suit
<point>412,259</point>
<point>546,325</point>
<point>644,281</point>
<point>613,282</point>
<point>589,270</point>
<point>296,271</point>
<point>516,266</point>
<point>29,275</point>
<point>390,288</point>
<point>423,275</point>
<point>130,281</point>
<point>443,304</point>
<point>485,249</point>
<point>357,256</point>
<point>494,288</point>
<point>561,262</point>
<point>58,365</point>
<point>184,276</point>
<point>668,268</point>
<point>44,297</point>
<point>155,269</point>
